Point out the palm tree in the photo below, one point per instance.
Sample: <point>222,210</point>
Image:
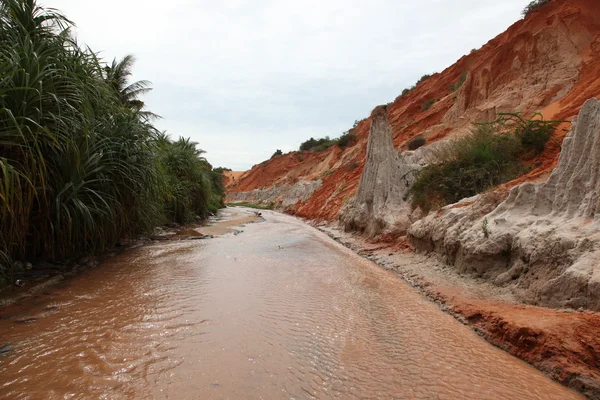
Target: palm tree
<point>117,76</point>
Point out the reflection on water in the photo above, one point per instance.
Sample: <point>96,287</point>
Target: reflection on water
<point>279,311</point>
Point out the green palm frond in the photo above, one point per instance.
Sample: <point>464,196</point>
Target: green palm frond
<point>81,165</point>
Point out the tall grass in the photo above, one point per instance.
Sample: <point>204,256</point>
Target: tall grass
<point>80,163</point>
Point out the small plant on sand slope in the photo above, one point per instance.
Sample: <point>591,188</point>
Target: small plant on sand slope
<point>427,105</point>
<point>491,154</point>
<point>485,228</point>
<point>461,79</point>
<point>413,87</point>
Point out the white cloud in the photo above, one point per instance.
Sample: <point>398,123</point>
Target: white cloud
<point>244,78</point>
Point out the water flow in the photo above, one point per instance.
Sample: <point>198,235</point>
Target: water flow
<point>279,311</point>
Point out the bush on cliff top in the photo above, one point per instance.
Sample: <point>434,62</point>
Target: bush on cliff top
<point>323,144</point>
<point>413,87</point>
<point>534,5</point>
<point>346,139</point>
<point>490,155</point>
<point>317,145</point>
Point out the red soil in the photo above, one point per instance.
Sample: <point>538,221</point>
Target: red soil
<point>548,62</point>
<point>565,345</point>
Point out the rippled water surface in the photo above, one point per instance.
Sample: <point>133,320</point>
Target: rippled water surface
<point>279,311</point>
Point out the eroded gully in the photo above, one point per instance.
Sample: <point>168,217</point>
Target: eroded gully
<point>279,311</point>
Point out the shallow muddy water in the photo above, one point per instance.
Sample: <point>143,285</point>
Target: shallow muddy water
<point>279,311</point>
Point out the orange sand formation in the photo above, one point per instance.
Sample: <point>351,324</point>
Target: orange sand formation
<point>547,62</point>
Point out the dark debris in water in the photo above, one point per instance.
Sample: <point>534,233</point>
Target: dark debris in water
<point>27,320</point>
<point>5,349</point>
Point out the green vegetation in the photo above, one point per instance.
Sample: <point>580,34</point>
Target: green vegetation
<point>424,78</point>
<point>491,154</point>
<point>81,165</point>
<point>277,153</point>
<point>417,142</point>
<point>319,145</point>
<point>428,104</point>
<point>346,139</point>
<point>534,5</point>
<point>533,133</point>
<point>187,185</point>
<point>220,170</point>
<point>413,87</point>
<point>407,90</point>
<point>461,79</point>
<point>269,206</point>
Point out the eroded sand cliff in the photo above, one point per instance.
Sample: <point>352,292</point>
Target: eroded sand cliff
<point>546,62</point>
<point>379,205</point>
<point>543,238</point>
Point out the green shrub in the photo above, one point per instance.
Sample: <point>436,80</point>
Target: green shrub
<point>428,104</point>
<point>346,139</point>
<point>490,155</point>
<point>319,145</point>
<point>534,5</point>
<point>277,153</point>
<point>471,165</point>
<point>461,79</point>
<point>323,147</point>
<point>417,142</point>
<point>424,78</point>
<point>532,133</point>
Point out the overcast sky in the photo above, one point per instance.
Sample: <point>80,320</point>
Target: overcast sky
<point>244,78</point>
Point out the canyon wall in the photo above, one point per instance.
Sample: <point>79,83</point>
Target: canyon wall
<point>281,196</point>
<point>379,206</point>
<point>546,62</point>
<point>543,238</point>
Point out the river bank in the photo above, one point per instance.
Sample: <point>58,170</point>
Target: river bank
<point>564,344</point>
<point>33,278</point>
